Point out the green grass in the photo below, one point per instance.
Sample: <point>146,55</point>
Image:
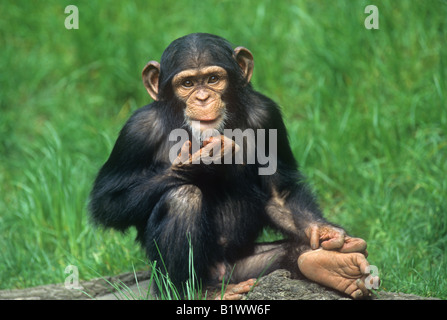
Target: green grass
<point>166,290</point>
<point>366,112</point>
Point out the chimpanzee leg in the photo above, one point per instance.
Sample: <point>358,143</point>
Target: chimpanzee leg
<point>178,219</point>
<point>268,257</point>
<point>345,272</point>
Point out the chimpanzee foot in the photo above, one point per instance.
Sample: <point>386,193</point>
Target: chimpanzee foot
<point>344,272</point>
<point>237,291</point>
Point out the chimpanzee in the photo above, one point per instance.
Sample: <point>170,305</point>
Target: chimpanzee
<point>202,196</point>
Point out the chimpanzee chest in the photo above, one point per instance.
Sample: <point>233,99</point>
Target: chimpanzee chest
<point>238,218</point>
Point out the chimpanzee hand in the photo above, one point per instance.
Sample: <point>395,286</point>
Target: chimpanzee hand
<point>214,149</point>
<point>333,238</point>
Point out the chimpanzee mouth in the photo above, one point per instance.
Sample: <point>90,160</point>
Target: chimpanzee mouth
<point>207,127</point>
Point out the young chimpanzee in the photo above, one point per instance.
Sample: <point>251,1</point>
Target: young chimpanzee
<point>202,85</point>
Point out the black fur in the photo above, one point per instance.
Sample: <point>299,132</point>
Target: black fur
<point>222,207</point>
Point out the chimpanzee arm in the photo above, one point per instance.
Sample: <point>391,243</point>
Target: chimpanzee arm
<point>292,207</point>
<point>135,176</point>
<point>293,210</point>
<point>123,199</point>
<point>137,186</point>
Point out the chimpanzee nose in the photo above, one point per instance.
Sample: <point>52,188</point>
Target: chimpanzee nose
<point>202,95</point>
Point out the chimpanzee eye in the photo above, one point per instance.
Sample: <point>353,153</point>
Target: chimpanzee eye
<point>187,83</point>
<point>213,79</point>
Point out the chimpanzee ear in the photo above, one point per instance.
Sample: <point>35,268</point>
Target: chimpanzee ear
<point>244,58</point>
<point>151,73</point>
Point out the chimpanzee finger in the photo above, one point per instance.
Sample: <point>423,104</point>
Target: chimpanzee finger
<point>208,141</point>
<point>334,243</point>
<point>354,245</point>
<point>314,237</point>
<point>334,237</point>
<point>228,146</point>
<point>210,151</point>
<point>184,155</point>
<point>186,148</point>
